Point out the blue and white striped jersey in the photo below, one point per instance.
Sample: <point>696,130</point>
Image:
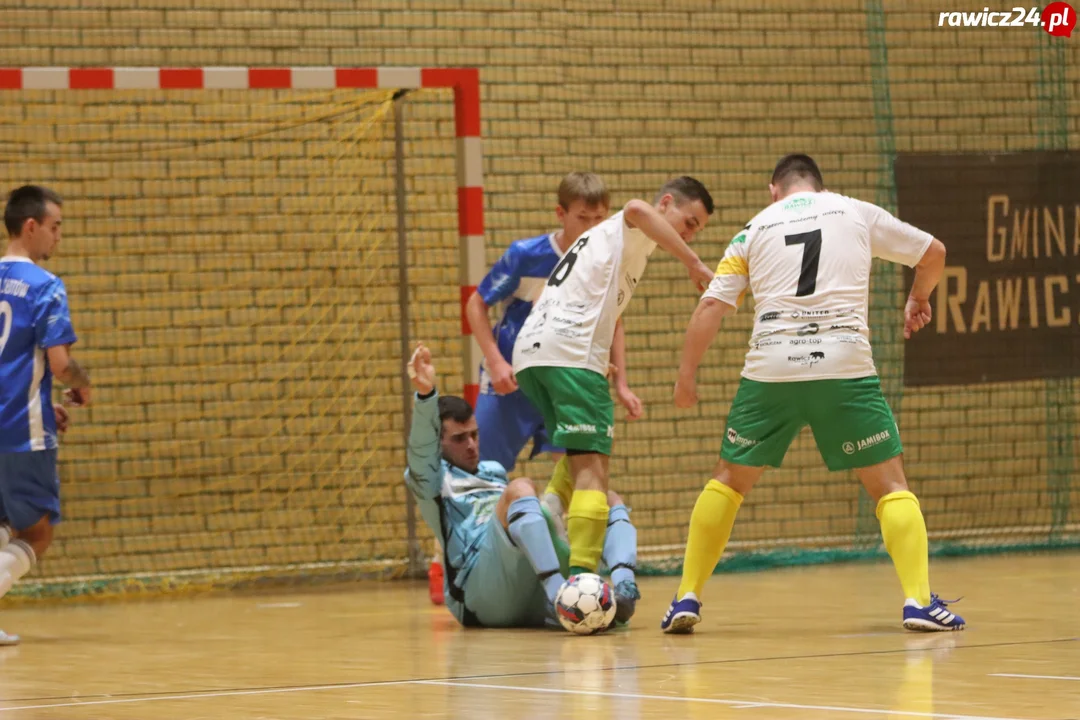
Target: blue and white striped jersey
<point>516,281</point>
<point>34,316</point>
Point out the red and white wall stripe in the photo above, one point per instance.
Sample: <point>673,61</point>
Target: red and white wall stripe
<point>465,83</point>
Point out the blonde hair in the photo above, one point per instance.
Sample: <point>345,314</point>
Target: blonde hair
<point>584,186</point>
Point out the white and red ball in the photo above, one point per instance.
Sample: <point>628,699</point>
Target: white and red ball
<point>585,604</point>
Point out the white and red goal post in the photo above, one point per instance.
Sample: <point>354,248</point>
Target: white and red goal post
<point>465,82</point>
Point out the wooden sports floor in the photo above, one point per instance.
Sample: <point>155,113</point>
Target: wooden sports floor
<point>821,642</point>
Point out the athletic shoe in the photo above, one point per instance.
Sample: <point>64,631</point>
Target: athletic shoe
<point>626,597</point>
<point>935,617</point>
<point>683,615</point>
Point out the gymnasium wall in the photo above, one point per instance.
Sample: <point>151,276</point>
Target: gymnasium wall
<point>719,90</point>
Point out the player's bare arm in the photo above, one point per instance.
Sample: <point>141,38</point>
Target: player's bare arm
<point>704,324</point>
<point>928,271</point>
<point>627,398</point>
<point>68,371</point>
<point>643,216</point>
<point>501,372</point>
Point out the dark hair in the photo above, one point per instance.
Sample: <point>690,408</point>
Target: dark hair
<point>687,189</point>
<point>797,167</point>
<point>27,202</point>
<point>454,408</point>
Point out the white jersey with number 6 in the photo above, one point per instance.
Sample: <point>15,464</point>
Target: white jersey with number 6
<point>807,259</point>
<point>572,324</point>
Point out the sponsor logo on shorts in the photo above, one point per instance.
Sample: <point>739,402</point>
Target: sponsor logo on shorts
<point>736,439</point>
<point>531,349</point>
<point>768,317</point>
<point>806,360</point>
<point>611,431</point>
<point>809,329</point>
<point>576,306</point>
<point>844,327</point>
<point>805,341</point>
<point>759,344</point>
<point>849,339</point>
<point>579,429</point>
<point>851,448</point>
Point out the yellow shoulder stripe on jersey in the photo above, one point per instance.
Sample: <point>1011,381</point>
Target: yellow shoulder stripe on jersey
<point>733,265</point>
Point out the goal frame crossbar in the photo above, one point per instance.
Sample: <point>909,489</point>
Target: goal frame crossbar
<point>464,82</point>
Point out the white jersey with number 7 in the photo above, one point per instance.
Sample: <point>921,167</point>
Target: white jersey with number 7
<point>807,259</point>
<point>572,324</point>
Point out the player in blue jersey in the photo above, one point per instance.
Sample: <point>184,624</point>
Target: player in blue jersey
<point>35,344</point>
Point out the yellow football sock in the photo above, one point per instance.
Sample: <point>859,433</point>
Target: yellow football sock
<point>710,527</point>
<point>904,532</point>
<point>561,483</point>
<point>586,525</point>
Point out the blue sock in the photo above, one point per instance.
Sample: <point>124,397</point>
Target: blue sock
<point>620,545</point>
<point>529,531</point>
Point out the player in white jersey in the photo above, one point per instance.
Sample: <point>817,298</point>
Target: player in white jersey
<point>562,353</point>
<point>807,260</point>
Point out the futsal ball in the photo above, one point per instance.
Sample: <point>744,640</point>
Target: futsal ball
<point>585,604</point>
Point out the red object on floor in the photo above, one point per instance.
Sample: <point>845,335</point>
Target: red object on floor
<point>435,582</point>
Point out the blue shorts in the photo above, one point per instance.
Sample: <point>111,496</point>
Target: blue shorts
<point>502,589</point>
<point>507,423</point>
<point>29,488</point>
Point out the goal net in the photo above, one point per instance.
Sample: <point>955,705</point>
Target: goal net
<point>232,262</point>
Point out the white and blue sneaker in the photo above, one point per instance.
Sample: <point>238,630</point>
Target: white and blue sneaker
<point>935,617</point>
<point>683,615</point>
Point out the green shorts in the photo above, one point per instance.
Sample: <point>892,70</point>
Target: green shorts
<point>852,423</point>
<point>576,405</point>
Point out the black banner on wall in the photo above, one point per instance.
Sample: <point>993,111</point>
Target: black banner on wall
<point>1008,306</point>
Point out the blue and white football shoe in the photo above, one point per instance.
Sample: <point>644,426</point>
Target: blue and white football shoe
<point>935,617</point>
<point>683,615</point>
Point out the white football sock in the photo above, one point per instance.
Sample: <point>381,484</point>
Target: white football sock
<point>15,561</point>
